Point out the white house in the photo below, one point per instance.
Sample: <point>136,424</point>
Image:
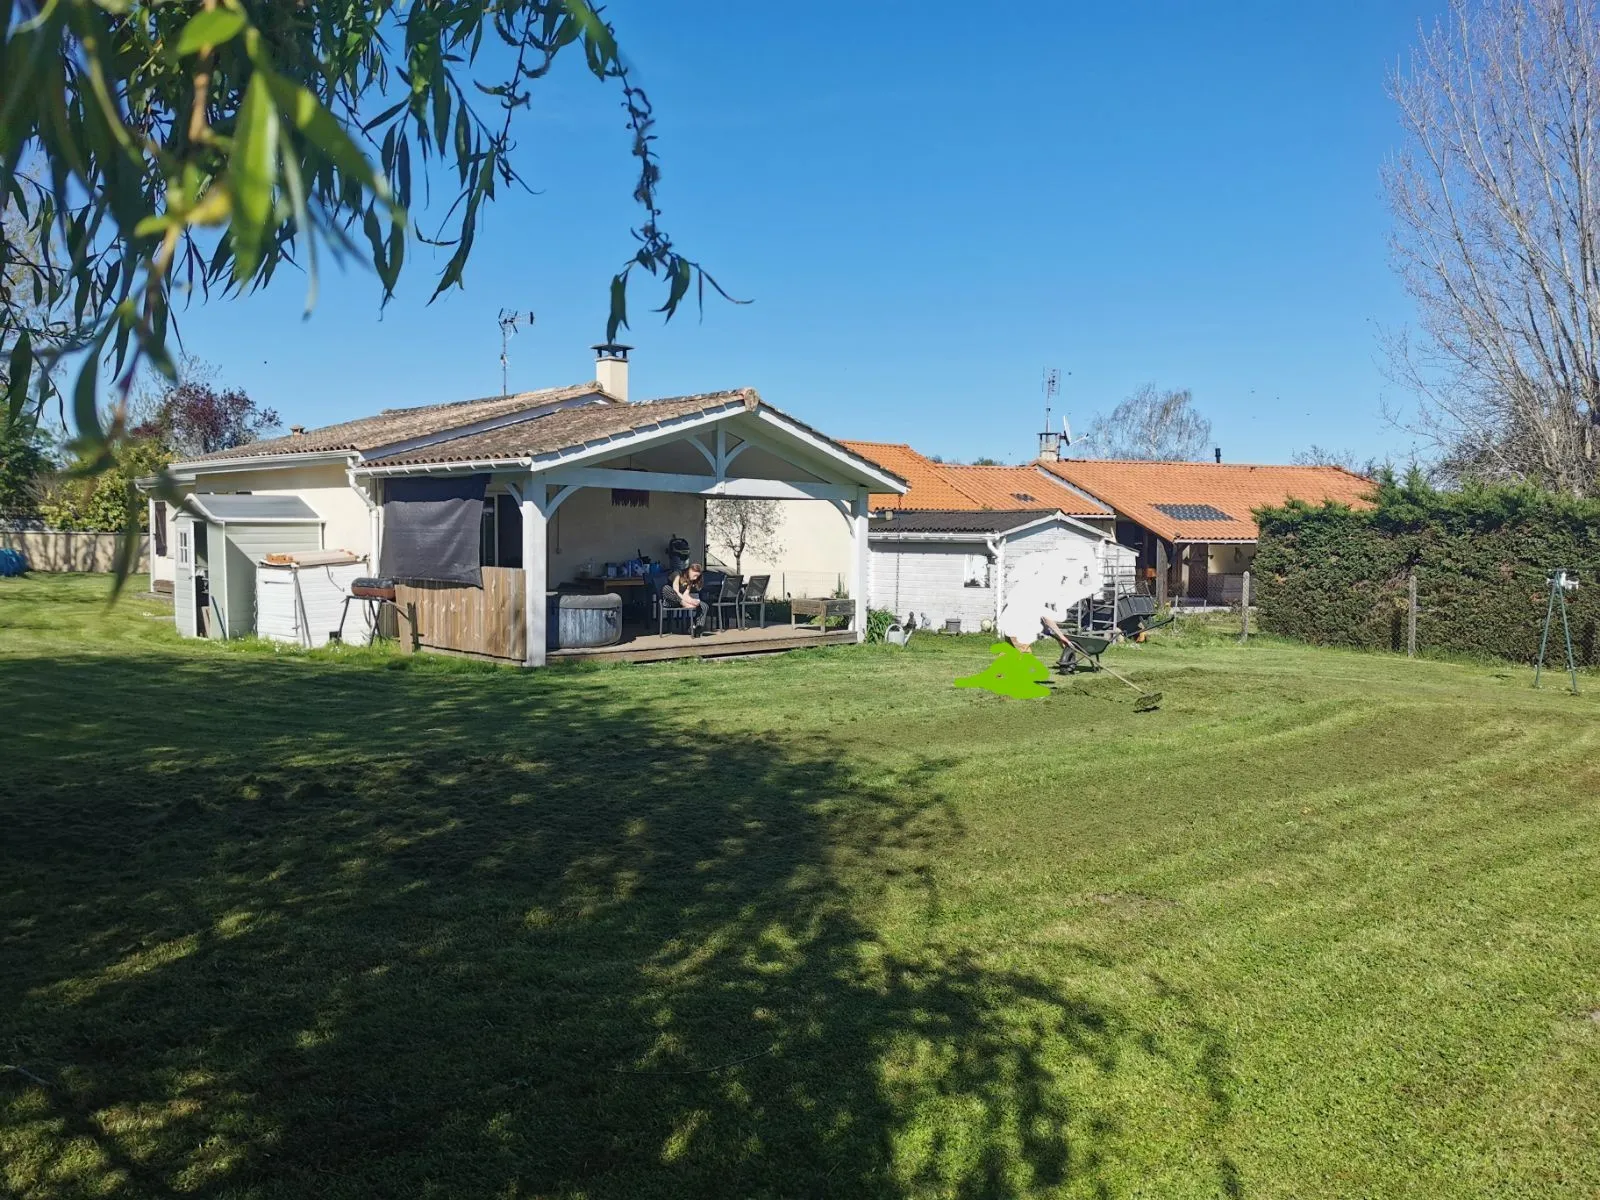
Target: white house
<point>963,567</point>
<point>570,479</point>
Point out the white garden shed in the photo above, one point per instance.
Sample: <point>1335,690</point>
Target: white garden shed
<point>966,567</point>
<point>218,540</point>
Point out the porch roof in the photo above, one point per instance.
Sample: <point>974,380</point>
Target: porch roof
<point>590,431</point>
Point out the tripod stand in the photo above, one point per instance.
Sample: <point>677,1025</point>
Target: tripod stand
<point>1561,582</point>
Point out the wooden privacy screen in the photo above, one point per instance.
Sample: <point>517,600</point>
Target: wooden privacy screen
<point>486,622</point>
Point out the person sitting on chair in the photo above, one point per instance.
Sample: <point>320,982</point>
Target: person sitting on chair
<point>679,592</point>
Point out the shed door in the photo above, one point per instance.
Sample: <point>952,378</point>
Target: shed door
<point>183,611</point>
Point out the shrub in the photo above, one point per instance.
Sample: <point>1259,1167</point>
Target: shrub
<point>878,622</point>
<point>1337,576</point>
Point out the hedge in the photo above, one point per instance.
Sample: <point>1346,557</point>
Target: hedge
<point>1337,576</point>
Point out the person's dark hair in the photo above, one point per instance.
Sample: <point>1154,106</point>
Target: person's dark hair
<point>681,581</point>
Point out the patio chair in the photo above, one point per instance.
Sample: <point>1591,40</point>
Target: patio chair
<point>725,596</point>
<point>754,592</point>
<point>667,611</point>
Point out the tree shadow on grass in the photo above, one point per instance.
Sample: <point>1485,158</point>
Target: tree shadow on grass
<point>272,929</point>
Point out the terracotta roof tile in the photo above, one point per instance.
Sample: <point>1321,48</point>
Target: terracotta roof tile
<point>1137,489</point>
<point>928,486</point>
<point>1020,489</point>
<point>402,424</point>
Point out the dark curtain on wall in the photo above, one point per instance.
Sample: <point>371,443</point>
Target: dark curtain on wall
<point>431,529</point>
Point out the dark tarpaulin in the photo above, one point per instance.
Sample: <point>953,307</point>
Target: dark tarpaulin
<point>431,529</point>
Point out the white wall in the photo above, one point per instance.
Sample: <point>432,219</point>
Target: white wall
<point>346,525</point>
<point>929,578</point>
<point>812,550</point>
<point>1223,559</point>
<point>588,526</point>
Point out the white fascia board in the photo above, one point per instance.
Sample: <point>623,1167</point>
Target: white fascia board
<point>857,469</point>
<point>890,535</point>
<point>1195,541</point>
<point>696,485</point>
<point>185,472</point>
<point>446,468</point>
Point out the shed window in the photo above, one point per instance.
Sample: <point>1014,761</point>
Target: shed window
<point>979,571</point>
<point>183,547</point>
<point>158,528</point>
<point>630,498</point>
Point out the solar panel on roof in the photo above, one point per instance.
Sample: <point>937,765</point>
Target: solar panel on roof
<point>1192,512</point>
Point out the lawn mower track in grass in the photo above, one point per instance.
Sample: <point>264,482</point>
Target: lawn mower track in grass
<point>344,924</point>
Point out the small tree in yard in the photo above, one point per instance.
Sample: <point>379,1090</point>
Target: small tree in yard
<point>743,527</point>
<point>23,463</point>
<point>194,418</point>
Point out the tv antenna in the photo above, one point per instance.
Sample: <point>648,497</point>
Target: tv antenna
<point>1050,440</point>
<point>510,322</point>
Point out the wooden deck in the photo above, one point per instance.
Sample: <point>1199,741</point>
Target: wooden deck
<point>654,647</point>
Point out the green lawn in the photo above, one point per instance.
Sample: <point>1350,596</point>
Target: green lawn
<point>346,925</point>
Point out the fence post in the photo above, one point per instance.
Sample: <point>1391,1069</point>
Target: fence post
<point>1244,610</point>
<point>1411,619</point>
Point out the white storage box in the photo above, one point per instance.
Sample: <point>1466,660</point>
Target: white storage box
<point>299,601</point>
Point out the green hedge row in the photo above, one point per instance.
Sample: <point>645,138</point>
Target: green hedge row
<point>1337,576</point>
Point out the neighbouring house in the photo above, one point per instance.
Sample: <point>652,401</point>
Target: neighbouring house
<point>959,569</point>
<point>501,502</point>
<point>1192,524</point>
<point>823,541</point>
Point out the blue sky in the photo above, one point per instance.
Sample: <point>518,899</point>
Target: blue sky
<point>928,203</point>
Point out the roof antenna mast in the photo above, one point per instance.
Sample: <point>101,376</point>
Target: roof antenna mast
<point>510,322</point>
<point>1050,440</point>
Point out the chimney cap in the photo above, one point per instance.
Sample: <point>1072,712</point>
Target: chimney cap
<point>612,350</point>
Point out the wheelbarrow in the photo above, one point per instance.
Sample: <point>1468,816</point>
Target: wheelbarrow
<point>1136,616</point>
<point>1088,647</point>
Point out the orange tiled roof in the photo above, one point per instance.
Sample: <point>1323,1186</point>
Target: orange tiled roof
<point>947,487</point>
<point>1136,489</point>
<point>929,488</point>
<point>1017,489</point>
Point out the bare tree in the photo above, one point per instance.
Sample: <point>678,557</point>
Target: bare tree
<point>1496,201</point>
<point>1151,424</point>
<point>744,527</point>
<point>1347,460</point>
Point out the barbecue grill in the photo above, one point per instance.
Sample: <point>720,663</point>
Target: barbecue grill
<point>374,592</point>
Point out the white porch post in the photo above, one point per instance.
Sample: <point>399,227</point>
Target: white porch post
<point>534,569</point>
<point>861,562</point>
